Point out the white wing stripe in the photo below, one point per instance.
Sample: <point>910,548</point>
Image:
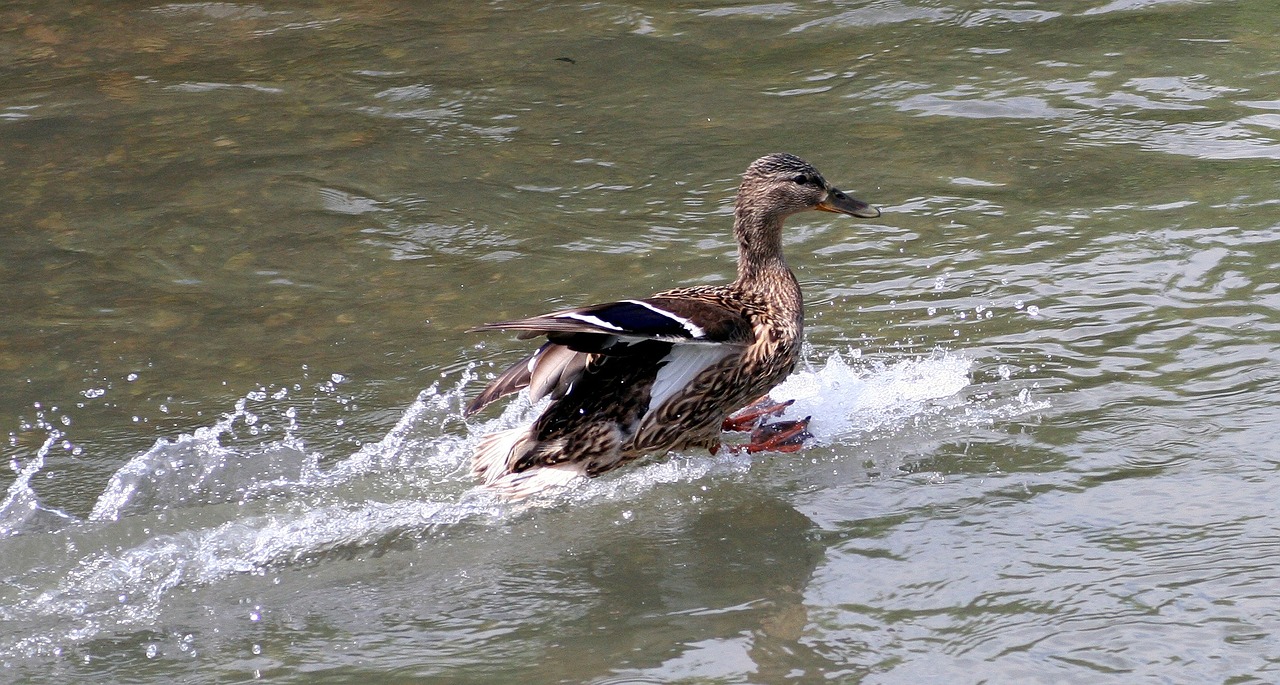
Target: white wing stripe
<point>593,320</point>
<point>694,329</point>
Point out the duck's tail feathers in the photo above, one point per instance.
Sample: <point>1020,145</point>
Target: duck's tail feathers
<point>536,480</point>
<point>499,452</point>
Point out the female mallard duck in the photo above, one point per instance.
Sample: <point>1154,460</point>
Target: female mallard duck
<point>664,373</point>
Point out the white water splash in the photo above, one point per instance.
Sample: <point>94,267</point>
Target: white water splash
<point>163,522</point>
<point>21,510</point>
<point>844,400</point>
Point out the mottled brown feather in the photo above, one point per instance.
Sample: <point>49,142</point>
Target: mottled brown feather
<point>600,415</point>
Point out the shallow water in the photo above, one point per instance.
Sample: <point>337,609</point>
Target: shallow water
<point>243,244</point>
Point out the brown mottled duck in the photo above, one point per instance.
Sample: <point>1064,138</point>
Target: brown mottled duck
<point>667,372</point>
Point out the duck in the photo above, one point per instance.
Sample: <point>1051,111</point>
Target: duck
<point>668,372</point>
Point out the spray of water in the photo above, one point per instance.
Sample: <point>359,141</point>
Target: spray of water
<point>194,510</point>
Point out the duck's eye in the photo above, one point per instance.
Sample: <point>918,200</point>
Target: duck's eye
<point>802,180</point>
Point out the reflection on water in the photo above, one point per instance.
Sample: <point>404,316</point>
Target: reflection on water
<point>241,239</point>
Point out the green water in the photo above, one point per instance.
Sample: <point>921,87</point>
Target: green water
<point>238,241</point>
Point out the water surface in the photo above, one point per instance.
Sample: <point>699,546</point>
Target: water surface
<point>242,245</point>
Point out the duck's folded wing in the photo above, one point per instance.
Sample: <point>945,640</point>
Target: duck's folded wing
<point>550,370</point>
<point>612,329</point>
<point>599,328</point>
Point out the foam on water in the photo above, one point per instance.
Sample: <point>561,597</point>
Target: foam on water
<point>195,510</point>
<point>844,399</point>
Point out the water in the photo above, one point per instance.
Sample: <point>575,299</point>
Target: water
<point>242,244</point>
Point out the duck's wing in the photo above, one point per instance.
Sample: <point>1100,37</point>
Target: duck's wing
<point>552,366</point>
<point>598,328</point>
<point>616,329</point>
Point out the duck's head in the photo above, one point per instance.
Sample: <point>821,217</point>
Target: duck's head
<point>781,184</point>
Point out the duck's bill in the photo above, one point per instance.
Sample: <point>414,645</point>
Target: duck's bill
<point>840,203</point>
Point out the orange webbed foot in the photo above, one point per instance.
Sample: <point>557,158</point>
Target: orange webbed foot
<point>747,418</point>
<point>780,436</point>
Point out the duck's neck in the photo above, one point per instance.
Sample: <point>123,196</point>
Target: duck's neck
<point>761,268</point>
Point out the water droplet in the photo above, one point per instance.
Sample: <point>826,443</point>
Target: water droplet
<point>1004,371</point>
<point>1033,310</point>
<point>257,649</point>
<point>337,378</point>
<point>131,377</point>
<point>66,420</point>
<point>932,311</point>
<point>152,651</point>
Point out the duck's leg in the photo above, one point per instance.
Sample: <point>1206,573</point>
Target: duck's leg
<point>747,418</point>
<point>779,436</point>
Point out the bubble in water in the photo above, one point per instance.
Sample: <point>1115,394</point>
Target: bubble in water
<point>131,377</point>
<point>1005,372</point>
<point>1033,310</point>
<point>152,651</point>
<point>93,393</point>
<point>932,311</point>
<point>337,378</point>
